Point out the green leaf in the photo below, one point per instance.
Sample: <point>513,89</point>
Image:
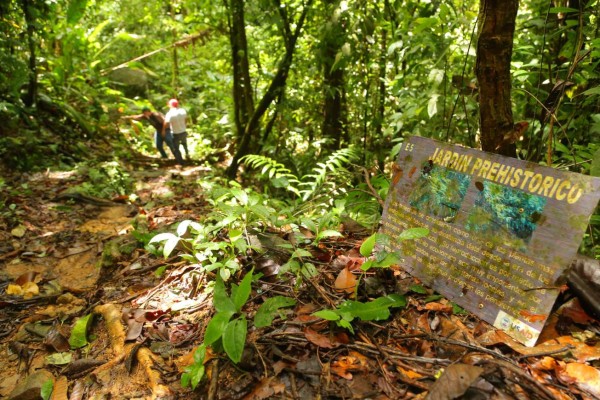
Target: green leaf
<point>170,245</point>
<point>75,11</point>
<point>301,253</point>
<point>413,233</point>
<point>216,327</point>
<point>59,358</point>
<point>433,297</point>
<point>221,300</point>
<point>367,247</point>
<point>234,338</point>
<point>595,167</point>
<point>327,233</point>
<point>367,265</point>
<point>328,315</point>
<point>377,309</point>
<point>47,389</point>
<point>242,293</point>
<point>78,336</point>
<point>162,237</point>
<point>160,271</point>
<point>269,309</point>
<point>418,289</point>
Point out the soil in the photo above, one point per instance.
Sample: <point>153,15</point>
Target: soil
<point>89,258</point>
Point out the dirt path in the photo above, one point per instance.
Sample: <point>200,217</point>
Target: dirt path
<point>77,257</point>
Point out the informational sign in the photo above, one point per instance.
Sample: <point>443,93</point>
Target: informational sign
<point>502,230</point>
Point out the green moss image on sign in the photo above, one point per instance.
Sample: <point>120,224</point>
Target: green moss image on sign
<point>439,192</point>
<point>504,211</point>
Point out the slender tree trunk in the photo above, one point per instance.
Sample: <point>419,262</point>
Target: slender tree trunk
<point>252,128</point>
<point>333,80</point>
<point>242,85</point>
<point>494,50</point>
<point>31,95</point>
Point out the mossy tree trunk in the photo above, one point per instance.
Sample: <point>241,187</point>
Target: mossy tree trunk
<point>494,51</point>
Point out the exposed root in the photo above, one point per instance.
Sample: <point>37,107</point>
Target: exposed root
<point>116,333</point>
<point>159,391</point>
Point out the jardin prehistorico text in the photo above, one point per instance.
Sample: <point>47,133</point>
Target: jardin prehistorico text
<point>531,181</point>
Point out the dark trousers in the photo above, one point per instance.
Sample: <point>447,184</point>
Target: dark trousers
<point>159,142</point>
<point>180,139</point>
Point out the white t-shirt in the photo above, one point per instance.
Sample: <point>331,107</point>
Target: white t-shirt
<point>176,118</point>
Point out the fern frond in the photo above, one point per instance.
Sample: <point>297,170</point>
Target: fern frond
<point>277,173</point>
<point>332,166</point>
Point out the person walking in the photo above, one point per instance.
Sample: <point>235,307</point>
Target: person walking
<point>176,121</point>
<point>157,120</point>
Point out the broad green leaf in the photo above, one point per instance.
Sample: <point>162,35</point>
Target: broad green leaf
<point>169,246</point>
<point>221,300</point>
<point>418,289</point>
<point>242,293</point>
<point>192,375</point>
<point>328,315</point>
<point>413,233</point>
<point>592,91</point>
<point>432,105</point>
<point>59,358</point>
<point>46,390</point>
<point>75,11</point>
<point>388,259</point>
<point>240,195</point>
<point>433,297</point>
<point>162,237</point>
<point>309,270</point>
<point>234,338</point>
<point>216,327</point>
<point>268,310</point>
<point>225,273</point>
<point>377,309</point>
<point>367,265</point>
<point>367,247</point>
<point>78,336</point>
<point>234,234</point>
<point>301,253</point>
<point>327,233</point>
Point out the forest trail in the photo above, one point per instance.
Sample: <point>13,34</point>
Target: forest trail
<point>77,256</point>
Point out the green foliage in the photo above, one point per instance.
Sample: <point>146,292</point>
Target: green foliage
<point>194,373</point>
<point>383,257</point>
<point>270,309</point>
<point>79,332</point>
<point>106,180</point>
<point>375,310</point>
<point>46,390</point>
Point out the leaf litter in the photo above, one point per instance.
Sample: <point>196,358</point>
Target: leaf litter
<point>122,322</point>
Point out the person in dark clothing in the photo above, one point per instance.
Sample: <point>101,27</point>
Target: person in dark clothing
<point>157,121</point>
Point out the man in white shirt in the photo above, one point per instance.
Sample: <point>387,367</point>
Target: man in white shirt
<point>176,118</point>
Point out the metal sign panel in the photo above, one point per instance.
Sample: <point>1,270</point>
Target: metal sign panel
<point>502,230</point>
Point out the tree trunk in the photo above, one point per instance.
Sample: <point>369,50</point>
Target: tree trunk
<point>252,128</point>
<point>31,95</point>
<point>494,51</point>
<point>333,80</point>
<point>242,85</point>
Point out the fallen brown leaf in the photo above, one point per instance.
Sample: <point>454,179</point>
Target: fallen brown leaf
<point>454,382</point>
<point>345,281</point>
<point>266,388</point>
<point>318,339</point>
<point>583,376</point>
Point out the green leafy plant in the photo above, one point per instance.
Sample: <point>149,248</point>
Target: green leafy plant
<point>383,257</point>
<point>375,310</point>
<point>228,328</point>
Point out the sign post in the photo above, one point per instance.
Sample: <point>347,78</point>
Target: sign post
<point>502,230</point>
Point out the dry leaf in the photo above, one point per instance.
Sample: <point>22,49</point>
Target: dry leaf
<point>583,376</point>
<point>318,339</point>
<point>454,382</point>
<point>60,389</point>
<point>266,388</point>
<point>345,281</point>
<point>433,306</point>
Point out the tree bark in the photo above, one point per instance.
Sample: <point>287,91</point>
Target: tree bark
<point>494,50</point>
<point>31,95</point>
<point>333,80</point>
<point>251,130</point>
